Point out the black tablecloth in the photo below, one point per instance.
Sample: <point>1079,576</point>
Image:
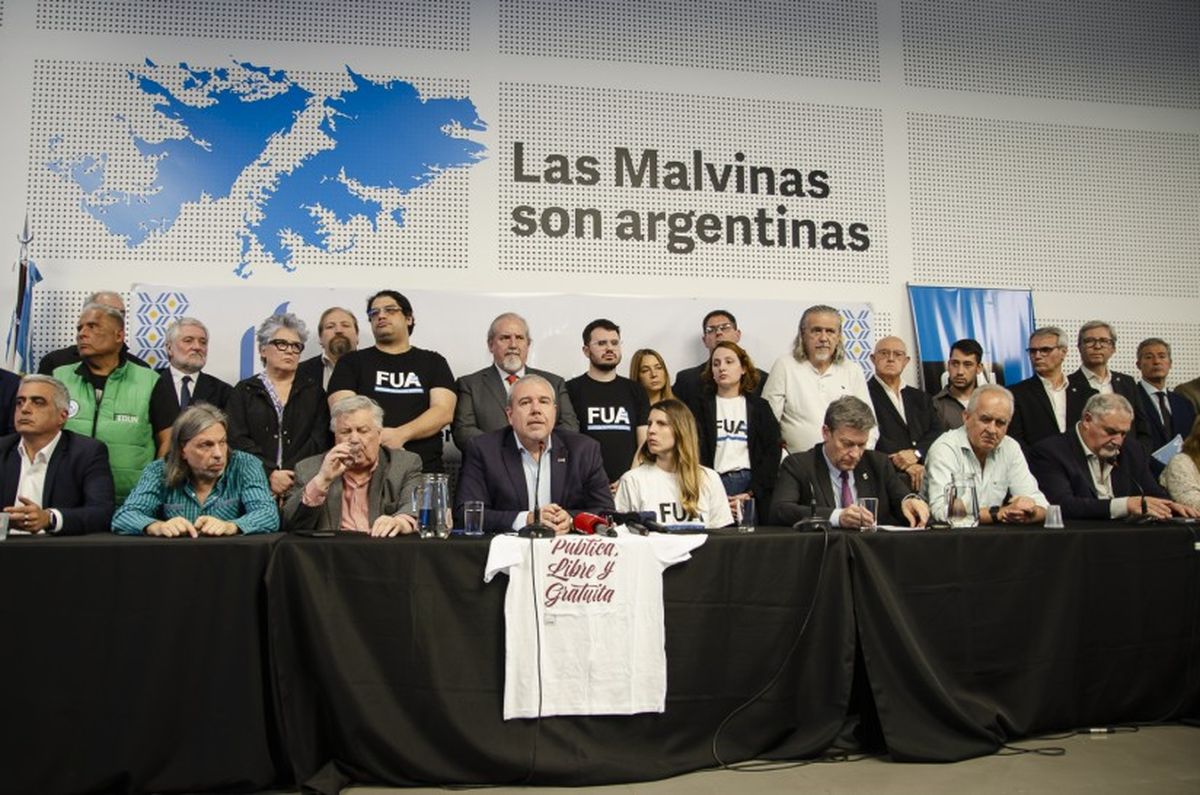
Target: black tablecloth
<point>975,638</point>
<point>389,664</point>
<point>142,665</point>
<point>133,665</point>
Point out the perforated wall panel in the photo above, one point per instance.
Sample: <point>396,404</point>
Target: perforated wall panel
<point>843,142</point>
<point>86,114</point>
<point>1184,339</point>
<point>829,39</point>
<point>434,24</point>
<point>1134,53</point>
<point>1053,207</point>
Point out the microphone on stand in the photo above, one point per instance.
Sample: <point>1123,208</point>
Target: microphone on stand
<point>812,521</point>
<point>590,523</point>
<point>536,529</point>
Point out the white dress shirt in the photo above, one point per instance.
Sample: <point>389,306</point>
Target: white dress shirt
<point>1058,401</point>
<point>31,484</point>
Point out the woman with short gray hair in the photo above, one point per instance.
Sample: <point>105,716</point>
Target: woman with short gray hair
<point>275,415</point>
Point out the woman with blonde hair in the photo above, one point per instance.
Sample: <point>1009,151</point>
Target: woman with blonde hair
<point>1181,478</point>
<point>648,369</point>
<point>672,483</point>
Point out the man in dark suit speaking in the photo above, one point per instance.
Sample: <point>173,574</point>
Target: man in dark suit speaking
<point>52,480</point>
<point>829,479</point>
<point>530,463</point>
<point>1094,473</point>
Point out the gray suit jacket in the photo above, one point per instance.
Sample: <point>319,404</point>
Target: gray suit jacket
<point>390,492</point>
<point>482,398</point>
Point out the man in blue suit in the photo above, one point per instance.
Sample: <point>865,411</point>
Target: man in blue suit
<point>1094,472</point>
<point>511,470</point>
<point>52,480</point>
<point>1166,414</point>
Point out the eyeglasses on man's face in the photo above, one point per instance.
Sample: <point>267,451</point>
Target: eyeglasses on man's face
<point>389,310</point>
<point>1096,342</point>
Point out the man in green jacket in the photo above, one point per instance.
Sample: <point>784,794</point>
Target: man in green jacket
<point>111,397</point>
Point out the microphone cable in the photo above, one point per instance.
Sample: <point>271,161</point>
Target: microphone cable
<point>761,766</point>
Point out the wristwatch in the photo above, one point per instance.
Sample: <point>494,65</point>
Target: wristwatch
<point>994,513</point>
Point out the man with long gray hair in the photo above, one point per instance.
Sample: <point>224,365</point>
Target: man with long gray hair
<point>201,487</point>
<point>359,485</point>
<point>803,384</point>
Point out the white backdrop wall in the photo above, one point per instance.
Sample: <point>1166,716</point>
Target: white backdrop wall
<point>207,144</point>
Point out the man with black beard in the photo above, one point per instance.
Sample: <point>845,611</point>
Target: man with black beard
<point>611,409</point>
<point>338,328</point>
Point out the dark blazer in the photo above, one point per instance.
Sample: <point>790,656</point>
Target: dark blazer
<point>390,492</point>
<point>9,384</point>
<point>206,387</point>
<point>254,427</point>
<point>482,399</point>
<point>1125,386</point>
<point>1033,416</point>
<point>1183,416</point>
<point>79,482</point>
<point>1060,466</point>
<point>492,473</point>
<point>762,431</point>
<point>312,369</point>
<point>924,424</point>
<point>689,386</point>
<point>801,472</point>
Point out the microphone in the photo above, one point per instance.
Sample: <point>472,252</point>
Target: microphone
<point>632,520</point>
<point>536,529</point>
<point>812,521</point>
<point>590,523</point>
<point>1145,517</point>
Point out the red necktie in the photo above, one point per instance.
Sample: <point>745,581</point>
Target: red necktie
<point>511,379</point>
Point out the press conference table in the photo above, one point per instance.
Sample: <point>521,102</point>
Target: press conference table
<point>154,665</point>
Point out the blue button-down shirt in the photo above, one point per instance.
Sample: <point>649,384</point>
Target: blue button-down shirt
<point>241,495</point>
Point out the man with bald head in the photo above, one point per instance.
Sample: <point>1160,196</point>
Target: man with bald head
<point>908,422</point>
<point>114,400</point>
<point>483,395</point>
<point>70,354</point>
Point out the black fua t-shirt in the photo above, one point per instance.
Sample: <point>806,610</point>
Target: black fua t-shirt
<point>400,383</point>
<point>610,412</point>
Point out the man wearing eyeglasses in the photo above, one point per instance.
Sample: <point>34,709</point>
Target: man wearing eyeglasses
<point>1045,404</point>
<point>1097,342</point>
<point>1093,473</point>
<point>908,422</point>
<point>719,325</point>
<point>414,386</point>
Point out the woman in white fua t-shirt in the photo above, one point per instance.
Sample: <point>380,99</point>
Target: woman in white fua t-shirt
<point>738,432</point>
<point>672,484</point>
